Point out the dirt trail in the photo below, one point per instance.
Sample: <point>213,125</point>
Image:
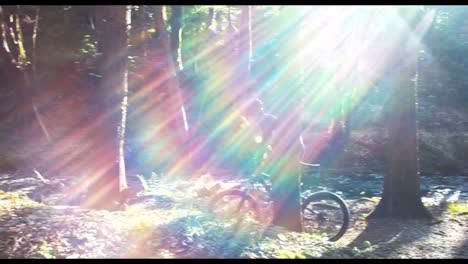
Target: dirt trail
<point>446,237</point>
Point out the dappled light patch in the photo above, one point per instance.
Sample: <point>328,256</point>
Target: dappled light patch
<point>458,207</point>
<point>301,245</point>
<point>11,201</point>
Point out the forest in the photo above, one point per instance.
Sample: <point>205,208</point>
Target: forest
<point>233,131</point>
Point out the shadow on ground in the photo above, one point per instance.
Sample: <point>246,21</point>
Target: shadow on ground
<point>388,236</point>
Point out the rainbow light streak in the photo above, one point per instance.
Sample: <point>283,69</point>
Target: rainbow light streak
<point>342,51</point>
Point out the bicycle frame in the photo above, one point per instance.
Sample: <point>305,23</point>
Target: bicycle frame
<point>316,200</point>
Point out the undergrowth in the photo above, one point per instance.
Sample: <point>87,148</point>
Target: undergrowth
<point>184,231</point>
<point>14,201</point>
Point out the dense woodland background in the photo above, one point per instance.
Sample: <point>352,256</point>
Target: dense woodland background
<point>83,86</point>
<point>65,79</point>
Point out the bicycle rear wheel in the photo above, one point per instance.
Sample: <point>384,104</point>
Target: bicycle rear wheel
<point>236,205</point>
<point>325,213</point>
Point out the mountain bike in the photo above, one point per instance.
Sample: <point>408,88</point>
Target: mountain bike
<point>323,213</point>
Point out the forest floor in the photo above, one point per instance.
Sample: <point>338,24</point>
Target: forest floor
<point>174,223</point>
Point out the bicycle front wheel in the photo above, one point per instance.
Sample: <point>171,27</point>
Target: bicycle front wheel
<point>236,205</point>
<point>326,214</point>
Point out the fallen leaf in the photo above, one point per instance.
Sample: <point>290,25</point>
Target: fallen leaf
<point>282,237</point>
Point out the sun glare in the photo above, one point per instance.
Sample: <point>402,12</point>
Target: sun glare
<point>329,60</point>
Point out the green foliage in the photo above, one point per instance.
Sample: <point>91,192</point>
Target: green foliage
<point>366,244</point>
<point>445,41</point>
<point>218,238</point>
<point>13,200</point>
<point>195,17</point>
<point>140,227</point>
<point>45,250</point>
<point>62,35</point>
<point>89,46</point>
<point>194,20</point>
<point>143,222</point>
<point>285,254</point>
<point>458,207</point>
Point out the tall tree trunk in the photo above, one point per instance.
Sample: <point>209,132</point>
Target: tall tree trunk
<point>287,153</point>
<point>201,54</point>
<point>202,65</point>
<point>286,181</point>
<point>33,44</point>
<point>177,57</point>
<point>13,68</point>
<point>174,128</point>
<point>139,26</point>
<point>210,17</point>
<point>107,175</point>
<point>176,36</point>
<point>9,73</point>
<point>6,54</point>
<point>401,195</point>
<point>245,49</point>
<point>9,21</point>
<point>250,41</point>
<point>19,45</point>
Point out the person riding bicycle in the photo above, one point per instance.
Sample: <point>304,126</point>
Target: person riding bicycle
<point>260,127</point>
<point>255,114</point>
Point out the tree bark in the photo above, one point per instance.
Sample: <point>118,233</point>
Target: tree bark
<point>176,36</point>
<point>286,180</point>
<point>139,26</point>
<point>245,53</point>
<point>9,21</point>
<point>167,105</point>
<point>107,175</point>
<point>6,54</point>
<point>19,52</point>
<point>10,73</point>
<point>286,176</point>
<point>401,195</point>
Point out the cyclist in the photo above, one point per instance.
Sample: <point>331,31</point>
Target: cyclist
<point>259,127</point>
